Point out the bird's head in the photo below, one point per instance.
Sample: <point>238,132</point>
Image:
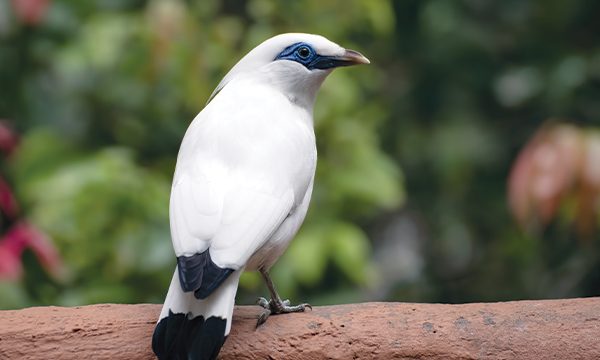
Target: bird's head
<point>295,63</point>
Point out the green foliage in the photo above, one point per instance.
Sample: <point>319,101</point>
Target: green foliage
<point>474,80</point>
<point>107,216</point>
<point>125,83</point>
<point>103,91</point>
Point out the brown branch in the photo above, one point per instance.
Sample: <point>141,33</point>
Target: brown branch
<point>550,329</point>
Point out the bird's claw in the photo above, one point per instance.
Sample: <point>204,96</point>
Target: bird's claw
<point>286,308</point>
<point>262,318</point>
<point>275,307</point>
<point>262,302</point>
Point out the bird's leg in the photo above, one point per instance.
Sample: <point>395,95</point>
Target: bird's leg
<point>275,305</point>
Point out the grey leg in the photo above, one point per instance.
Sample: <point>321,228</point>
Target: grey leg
<point>275,305</point>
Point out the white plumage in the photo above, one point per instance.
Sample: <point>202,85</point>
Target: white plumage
<point>243,181</point>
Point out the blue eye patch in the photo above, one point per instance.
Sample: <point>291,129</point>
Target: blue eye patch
<point>306,55</point>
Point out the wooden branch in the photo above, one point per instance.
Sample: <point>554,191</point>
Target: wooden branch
<point>549,329</point>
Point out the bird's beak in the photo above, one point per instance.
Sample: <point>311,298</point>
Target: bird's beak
<point>352,57</point>
<point>349,57</point>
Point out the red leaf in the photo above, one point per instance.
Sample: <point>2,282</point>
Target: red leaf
<point>20,237</point>
<point>8,203</point>
<point>30,12</point>
<point>544,173</point>
<point>10,264</point>
<point>8,139</point>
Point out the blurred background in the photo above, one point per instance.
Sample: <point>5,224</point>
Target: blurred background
<point>462,165</point>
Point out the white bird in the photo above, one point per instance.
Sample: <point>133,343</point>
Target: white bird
<point>241,188</point>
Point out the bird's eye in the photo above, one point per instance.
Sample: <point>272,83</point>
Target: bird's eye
<point>303,52</point>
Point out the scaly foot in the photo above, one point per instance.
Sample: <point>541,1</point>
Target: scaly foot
<point>275,307</point>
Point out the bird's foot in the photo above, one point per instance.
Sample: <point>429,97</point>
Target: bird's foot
<point>275,307</point>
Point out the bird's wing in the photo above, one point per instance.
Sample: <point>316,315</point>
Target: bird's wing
<point>252,211</point>
<point>219,219</point>
<point>232,217</point>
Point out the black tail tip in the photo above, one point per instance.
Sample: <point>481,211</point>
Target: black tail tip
<point>180,337</point>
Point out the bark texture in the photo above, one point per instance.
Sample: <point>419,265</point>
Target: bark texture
<point>548,329</point>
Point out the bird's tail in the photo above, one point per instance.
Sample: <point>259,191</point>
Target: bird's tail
<point>189,328</point>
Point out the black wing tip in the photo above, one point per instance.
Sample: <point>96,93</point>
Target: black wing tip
<point>200,274</point>
<point>179,337</point>
<point>213,278</point>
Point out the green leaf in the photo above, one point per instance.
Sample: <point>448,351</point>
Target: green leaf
<point>350,250</point>
<point>307,255</point>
